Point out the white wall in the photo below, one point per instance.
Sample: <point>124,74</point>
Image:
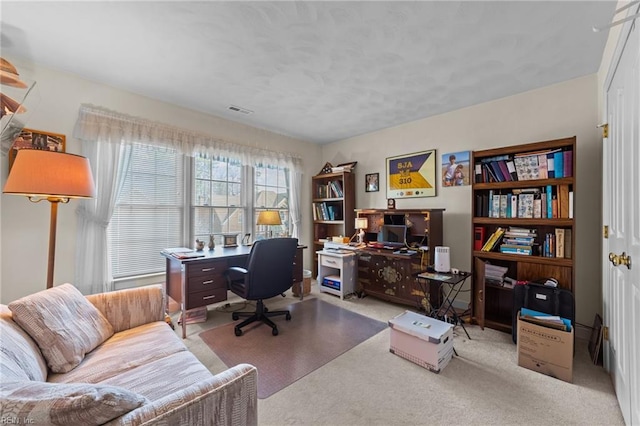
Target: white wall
<point>553,112</point>
<point>25,226</point>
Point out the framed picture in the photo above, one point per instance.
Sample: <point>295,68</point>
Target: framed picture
<point>412,175</point>
<point>372,182</point>
<point>455,168</point>
<point>36,139</point>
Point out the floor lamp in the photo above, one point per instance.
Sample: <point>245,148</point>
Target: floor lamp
<point>53,176</point>
<point>269,217</point>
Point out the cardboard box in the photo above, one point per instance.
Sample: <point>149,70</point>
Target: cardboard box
<point>422,340</point>
<point>545,350</point>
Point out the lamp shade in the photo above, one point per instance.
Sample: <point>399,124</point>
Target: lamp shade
<point>361,223</point>
<point>39,173</point>
<point>269,217</point>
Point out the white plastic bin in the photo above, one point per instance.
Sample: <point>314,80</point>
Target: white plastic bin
<point>306,284</point>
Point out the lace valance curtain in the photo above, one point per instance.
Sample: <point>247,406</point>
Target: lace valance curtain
<point>96,123</point>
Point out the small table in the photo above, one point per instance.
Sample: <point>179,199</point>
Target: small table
<point>454,282</point>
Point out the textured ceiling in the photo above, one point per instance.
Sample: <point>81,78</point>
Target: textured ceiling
<point>317,71</point>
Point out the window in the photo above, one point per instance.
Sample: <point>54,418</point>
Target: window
<point>148,215</point>
<point>218,206</point>
<point>271,189</point>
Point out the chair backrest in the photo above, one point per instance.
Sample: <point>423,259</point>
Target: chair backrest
<point>270,267</point>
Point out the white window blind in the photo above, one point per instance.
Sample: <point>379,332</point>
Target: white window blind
<point>148,216</point>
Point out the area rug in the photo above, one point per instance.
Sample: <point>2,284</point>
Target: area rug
<point>317,333</point>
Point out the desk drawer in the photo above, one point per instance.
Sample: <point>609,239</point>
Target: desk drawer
<point>206,283</point>
<point>204,298</point>
<point>332,262</point>
<point>213,267</point>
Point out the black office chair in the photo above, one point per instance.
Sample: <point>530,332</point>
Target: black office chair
<point>269,273</point>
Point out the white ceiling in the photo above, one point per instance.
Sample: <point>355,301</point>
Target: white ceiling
<point>317,71</point>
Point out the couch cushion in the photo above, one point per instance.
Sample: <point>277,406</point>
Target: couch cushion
<point>124,351</point>
<point>45,403</point>
<point>20,357</point>
<point>64,324</point>
<point>163,376</point>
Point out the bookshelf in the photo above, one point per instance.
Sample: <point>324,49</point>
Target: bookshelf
<point>332,209</point>
<point>524,194</point>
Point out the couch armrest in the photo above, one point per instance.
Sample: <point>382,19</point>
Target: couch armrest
<point>228,398</point>
<point>131,307</point>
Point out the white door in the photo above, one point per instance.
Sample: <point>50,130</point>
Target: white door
<point>621,212</point>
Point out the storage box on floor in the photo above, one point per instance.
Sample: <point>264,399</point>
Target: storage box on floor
<point>545,350</point>
<point>425,341</point>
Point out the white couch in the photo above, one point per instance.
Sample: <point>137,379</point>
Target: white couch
<point>141,374</point>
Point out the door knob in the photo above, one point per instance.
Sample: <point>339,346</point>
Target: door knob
<point>621,259</point>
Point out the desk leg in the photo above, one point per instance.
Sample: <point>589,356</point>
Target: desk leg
<point>183,318</point>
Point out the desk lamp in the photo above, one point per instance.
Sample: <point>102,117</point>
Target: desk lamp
<point>53,176</point>
<point>361,223</point>
<point>269,217</point>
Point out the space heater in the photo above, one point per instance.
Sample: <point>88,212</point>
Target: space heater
<point>442,261</point>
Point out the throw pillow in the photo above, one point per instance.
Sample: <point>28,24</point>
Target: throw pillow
<point>45,403</point>
<point>64,324</point>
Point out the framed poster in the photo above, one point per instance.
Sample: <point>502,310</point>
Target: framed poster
<point>412,175</point>
<point>36,139</point>
<point>455,168</point>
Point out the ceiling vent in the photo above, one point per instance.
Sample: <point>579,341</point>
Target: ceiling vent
<point>240,110</point>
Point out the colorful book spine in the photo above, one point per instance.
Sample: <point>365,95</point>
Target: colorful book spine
<point>568,162</point>
<point>558,161</point>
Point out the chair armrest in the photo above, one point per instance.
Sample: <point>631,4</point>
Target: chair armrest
<point>235,273</point>
<point>131,307</point>
<point>228,398</point>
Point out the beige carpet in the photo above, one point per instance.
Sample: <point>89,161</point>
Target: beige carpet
<point>314,336</point>
<point>367,385</point>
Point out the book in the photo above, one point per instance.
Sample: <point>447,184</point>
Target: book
<point>570,204</point>
<point>558,161</point>
<point>478,237</point>
<point>493,239</point>
<point>478,173</point>
<point>542,166</point>
<point>511,167</point>
<point>503,205</point>
<point>560,234</point>
<point>549,199</point>
<point>188,255</point>
<point>505,171</point>
<point>514,205</point>
<point>567,243</point>
<point>568,163</point>
<point>563,200</point>
<point>495,206</point>
<point>526,167</point>
<point>551,170</point>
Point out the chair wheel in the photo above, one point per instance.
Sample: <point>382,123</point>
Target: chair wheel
<point>288,316</point>
<point>238,331</point>
<point>234,316</point>
<point>274,331</point>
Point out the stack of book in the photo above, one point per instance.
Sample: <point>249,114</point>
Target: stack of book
<point>494,274</point>
<point>546,164</point>
<point>518,241</point>
<point>493,240</point>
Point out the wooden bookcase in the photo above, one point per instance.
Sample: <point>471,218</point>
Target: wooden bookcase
<point>392,277</point>
<point>492,303</point>
<point>333,207</point>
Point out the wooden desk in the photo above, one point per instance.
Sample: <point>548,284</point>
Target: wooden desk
<point>200,281</point>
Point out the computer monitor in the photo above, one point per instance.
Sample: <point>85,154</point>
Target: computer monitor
<point>394,235</point>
